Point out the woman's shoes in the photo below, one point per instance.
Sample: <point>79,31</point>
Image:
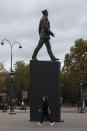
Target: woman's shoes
<point>52,123</point>
<point>40,124</point>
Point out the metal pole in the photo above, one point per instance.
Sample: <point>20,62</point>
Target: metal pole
<point>11,74</point>
<point>81,86</point>
<point>11,100</point>
<point>81,99</point>
<point>11,58</point>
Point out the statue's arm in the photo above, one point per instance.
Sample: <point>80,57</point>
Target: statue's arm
<point>39,29</point>
<point>46,27</point>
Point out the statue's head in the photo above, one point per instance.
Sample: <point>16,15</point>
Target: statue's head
<point>45,12</point>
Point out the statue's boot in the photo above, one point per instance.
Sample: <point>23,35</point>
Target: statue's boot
<point>55,59</point>
<point>34,58</point>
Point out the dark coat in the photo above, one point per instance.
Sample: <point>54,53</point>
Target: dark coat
<point>44,106</point>
<point>44,28</point>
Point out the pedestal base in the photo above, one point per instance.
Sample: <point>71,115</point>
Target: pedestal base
<point>44,81</point>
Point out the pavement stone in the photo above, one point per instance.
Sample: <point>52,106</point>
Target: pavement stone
<point>73,121</point>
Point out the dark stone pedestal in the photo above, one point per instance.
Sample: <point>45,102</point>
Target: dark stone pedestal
<point>44,81</point>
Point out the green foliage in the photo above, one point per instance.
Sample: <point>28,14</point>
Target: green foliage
<point>2,76</point>
<point>67,61</point>
<point>21,77</point>
<point>78,55</point>
<point>77,64</point>
<point>75,69</point>
<point>69,88</point>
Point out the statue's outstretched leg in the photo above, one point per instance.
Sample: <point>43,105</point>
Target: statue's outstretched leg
<point>47,43</point>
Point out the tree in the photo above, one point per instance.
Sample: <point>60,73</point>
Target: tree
<point>21,78</point>
<point>67,61</point>
<point>75,68</point>
<point>78,55</point>
<point>69,89</point>
<point>76,61</point>
<point>2,76</point>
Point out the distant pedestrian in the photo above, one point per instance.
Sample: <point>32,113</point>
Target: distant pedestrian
<point>22,105</point>
<point>45,111</point>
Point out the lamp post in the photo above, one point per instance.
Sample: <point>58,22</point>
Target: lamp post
<point>11,93</point>
<point>11,73</point>
<point>81,86</point>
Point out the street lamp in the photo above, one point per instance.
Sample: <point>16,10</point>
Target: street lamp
<point>11,72</point>
<point>11,93</point>
<point>81,86</point>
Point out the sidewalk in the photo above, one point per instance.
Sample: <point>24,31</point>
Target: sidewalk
<point>71,109</point>
<point>73,121</point>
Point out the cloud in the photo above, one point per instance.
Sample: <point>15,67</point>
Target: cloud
<point>19,21</point>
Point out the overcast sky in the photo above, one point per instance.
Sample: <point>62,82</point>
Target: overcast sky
<point>19,20</point>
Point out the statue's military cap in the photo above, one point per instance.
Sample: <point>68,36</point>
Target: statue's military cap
<point>44,11</point>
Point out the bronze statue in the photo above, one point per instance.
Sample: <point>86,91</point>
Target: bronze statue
<point>44,32</point>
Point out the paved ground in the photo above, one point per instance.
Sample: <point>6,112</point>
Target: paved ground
<point>73,121</point>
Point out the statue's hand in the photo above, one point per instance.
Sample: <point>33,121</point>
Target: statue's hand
<point>52,34</point>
